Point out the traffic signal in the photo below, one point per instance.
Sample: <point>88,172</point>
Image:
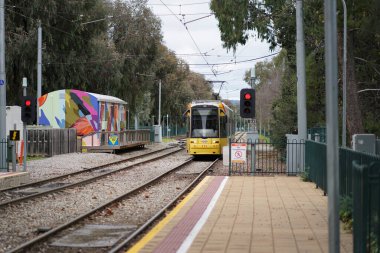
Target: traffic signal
<point>28,109</point>
<point>247,103</point>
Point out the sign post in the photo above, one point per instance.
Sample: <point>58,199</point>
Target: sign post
<point>238,152</point>
<point>25,134</point>
<point>14,136</point>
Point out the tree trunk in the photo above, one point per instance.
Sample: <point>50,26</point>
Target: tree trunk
<point>354,116</point>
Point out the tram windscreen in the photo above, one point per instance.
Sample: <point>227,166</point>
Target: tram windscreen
<point>204,123</point>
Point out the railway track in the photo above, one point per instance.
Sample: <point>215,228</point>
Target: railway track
<point>47,186</point>
<point>239,136</point>
<point>42,243</point>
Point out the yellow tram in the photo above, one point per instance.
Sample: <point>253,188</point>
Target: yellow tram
<point>209,124</point>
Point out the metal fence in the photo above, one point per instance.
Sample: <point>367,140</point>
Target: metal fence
<point>315,165</point>
<point>50,142</point>
<point>3,155</point>
<point>366,203</point>
<point>267,158</point>
<point>317,134</point>
<point>359,177</point>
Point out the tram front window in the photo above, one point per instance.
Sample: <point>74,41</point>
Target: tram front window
<point>204,123</point>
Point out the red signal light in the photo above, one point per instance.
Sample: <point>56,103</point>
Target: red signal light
<point>247,96</point>
<point>28,102</point>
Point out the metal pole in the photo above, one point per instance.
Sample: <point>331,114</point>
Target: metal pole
<point>14,151</point>
<point>167,125</point>
<point>128,119</point>
<point>3,89</point>
<point>25,134</point>
<point>344,110</point>
<point>159,102</point>
<point>301,76</point>
<point>39,69</point>
<point>331,70</point>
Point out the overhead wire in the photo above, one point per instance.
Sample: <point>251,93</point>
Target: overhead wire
<point>196,45</point>
<point>181,4</point>
<point>141,55</point>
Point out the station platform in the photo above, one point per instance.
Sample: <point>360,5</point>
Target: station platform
<point>13,179</point>
<point>246,214</point>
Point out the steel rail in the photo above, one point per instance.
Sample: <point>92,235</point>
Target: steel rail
<point>142,228</point>
<point>25,246</point>
<point>83,182</point>
<point>44,181</point>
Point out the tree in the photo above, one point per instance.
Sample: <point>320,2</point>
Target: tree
<point>269,75</point>
<point>274,21</point>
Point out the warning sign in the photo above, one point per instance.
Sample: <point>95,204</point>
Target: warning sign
<point>14,135</point>
<point>238,152</point>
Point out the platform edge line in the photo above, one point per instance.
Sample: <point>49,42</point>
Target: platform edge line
<point>156,229</point>
<point>186,244</point>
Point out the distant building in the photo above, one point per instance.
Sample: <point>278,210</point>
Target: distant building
<point>85,111</point>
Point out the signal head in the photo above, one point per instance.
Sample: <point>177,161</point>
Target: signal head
<point>247,103</point>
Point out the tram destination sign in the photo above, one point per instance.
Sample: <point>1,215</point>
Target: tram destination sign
<point>238,152</point>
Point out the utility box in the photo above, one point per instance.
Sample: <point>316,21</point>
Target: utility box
<point>295,154</point>
<point>226,156</point>
<point>364,143</point>
<point>252,137</point>
<point>13,118</point>
<point>157,133</point>
<point>14,122</point>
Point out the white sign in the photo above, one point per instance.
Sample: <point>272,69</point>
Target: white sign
<point>238,152</point>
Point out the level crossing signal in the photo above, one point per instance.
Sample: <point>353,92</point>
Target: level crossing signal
<point>247,103</point>
<point>28,109</point>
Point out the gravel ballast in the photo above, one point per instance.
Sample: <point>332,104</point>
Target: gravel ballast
<point>22,221</point>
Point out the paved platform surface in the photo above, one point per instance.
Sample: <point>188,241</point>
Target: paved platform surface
<point>251,214</point>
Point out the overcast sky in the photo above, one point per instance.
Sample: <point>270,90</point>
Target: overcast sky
<point>202,37</point>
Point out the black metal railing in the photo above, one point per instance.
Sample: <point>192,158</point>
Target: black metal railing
<point>359,177</point>
<point>315,164</point>
<point>366,205</point>
<point>268,158</point>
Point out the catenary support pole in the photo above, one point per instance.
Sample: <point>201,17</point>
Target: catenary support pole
<point>159,102</point>
<point>25,133</point>
<point>344,110</point>
<point>301,76</point>
<point>39,69</point>
<point>301,83</point>
<point>331,70</point>
<point>3,90</point>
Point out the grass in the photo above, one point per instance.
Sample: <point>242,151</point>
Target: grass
<point>262,137</point>
<point>33,158</point>
<point>166,140</point>
<point>305,175</point>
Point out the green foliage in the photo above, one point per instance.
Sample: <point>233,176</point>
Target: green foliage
<point>264,138</point>
<point>101,46</point>
<point>274,21</point>
<point>345,212</point>
<point>284,110</point>
<point>305,175</point>
<point>374,243</point>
